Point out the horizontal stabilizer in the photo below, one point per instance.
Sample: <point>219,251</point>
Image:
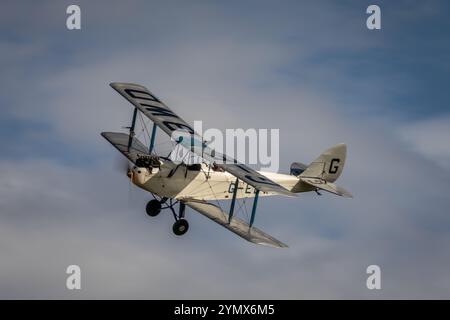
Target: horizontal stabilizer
<point>297,168</point>
<point>327,186</point>
<point>121,140</point>
<point>237,226</point>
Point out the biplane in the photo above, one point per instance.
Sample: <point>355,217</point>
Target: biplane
<point>217,177</point>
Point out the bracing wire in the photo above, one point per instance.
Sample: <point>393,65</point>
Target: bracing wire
<point>145,129</point>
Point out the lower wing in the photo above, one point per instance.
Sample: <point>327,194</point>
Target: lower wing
<point>236,225</point>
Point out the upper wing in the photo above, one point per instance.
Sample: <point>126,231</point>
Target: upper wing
<point>121,140</point>
<point>237,226</point>
<point>255,179</point>
<point>152,107</point>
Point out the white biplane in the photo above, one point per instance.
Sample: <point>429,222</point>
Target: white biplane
<point>217,177</point>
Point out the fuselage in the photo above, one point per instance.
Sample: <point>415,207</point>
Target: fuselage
<point>201,182</point>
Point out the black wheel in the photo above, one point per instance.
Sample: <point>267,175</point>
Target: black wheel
<point>180,227</point>
<point>153,208</point>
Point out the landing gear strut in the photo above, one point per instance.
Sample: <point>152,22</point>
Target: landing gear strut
<point>155,206</point>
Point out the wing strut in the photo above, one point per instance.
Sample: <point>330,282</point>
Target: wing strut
<point>132,134</point>
<point>233,201</point>
<point>133,123</point>
<point>255,202</point>
<point>152,139</point>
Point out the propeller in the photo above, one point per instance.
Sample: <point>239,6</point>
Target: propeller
<point>123,166</point>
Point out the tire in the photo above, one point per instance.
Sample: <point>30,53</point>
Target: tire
<point>153,208</point>
<point>180,227</point>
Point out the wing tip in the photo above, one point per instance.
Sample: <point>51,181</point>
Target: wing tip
<point>107,134</point>
<point>344,193</point>
<point>277,244</point>
<point>123,84</point>
<point>114,85</point>
<point>347,195</point>
<point>104,134</point>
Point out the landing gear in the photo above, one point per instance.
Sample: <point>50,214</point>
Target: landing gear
<point>180,227</point>
<point>153,208</point>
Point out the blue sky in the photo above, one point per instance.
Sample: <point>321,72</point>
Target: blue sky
<point>311,69</point>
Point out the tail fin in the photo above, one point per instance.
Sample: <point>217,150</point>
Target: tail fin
<point>329,165</point>
<point>323,171</point>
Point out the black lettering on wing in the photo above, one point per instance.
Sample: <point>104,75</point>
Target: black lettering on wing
<point>178,126</point>
<point>143,95</point>
<point>159,111</point>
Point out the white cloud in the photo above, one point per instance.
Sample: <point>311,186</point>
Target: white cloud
<point>430,138</point>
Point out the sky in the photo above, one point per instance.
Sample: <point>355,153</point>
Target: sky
<point>311,69</point>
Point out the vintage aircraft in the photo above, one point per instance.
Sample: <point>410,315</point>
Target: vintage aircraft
<point>218,177</point>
